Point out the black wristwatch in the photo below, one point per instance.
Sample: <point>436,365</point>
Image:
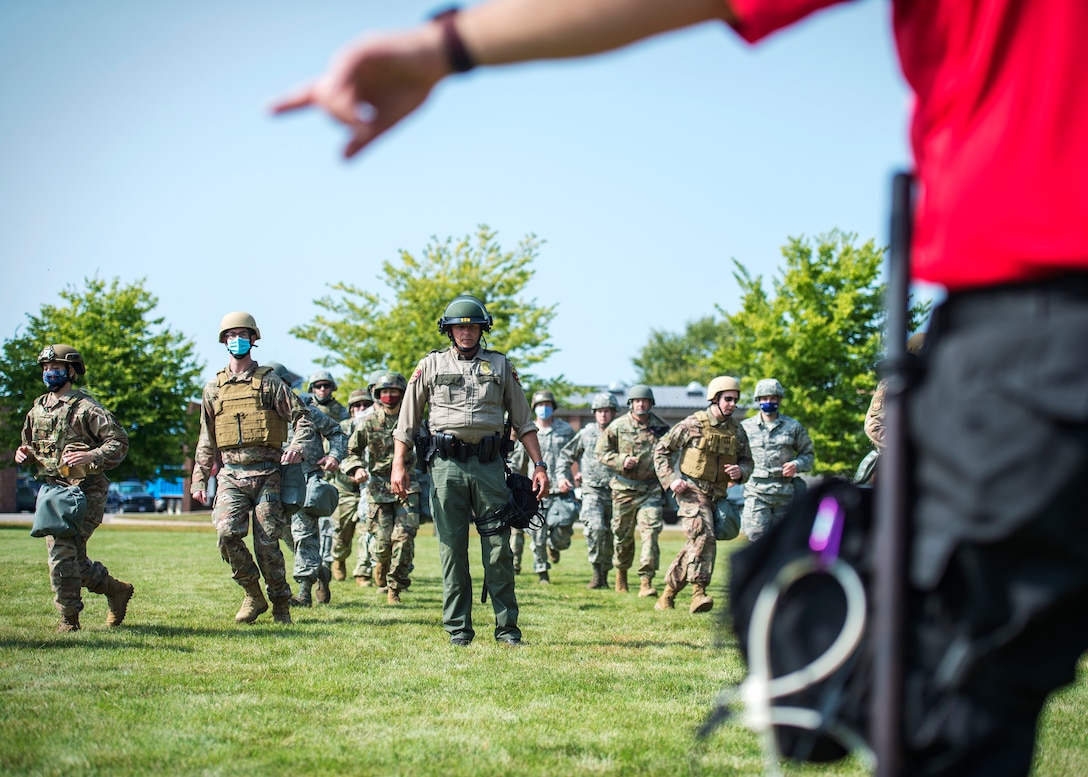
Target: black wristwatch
<point>542,464</point>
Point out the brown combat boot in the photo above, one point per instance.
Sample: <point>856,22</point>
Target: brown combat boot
<point>621,581</point>
<point>393,597</point>
<point>363,582</point>
<point>700,602</point>
<point>596,581</point>
<point>68,623</point>
<point>646,586</point>
<point>339,569</point>
<point>381,579</point>
<point>281,611</point>
<point>253,605</point>
<point>667,600</point>
<point>322,592</point>
<point>118,592</point>
<point>553,555</point>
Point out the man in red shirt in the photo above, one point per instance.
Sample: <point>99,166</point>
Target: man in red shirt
<point>999,424</point>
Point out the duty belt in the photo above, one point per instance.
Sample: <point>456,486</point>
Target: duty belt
<point>269,465</point>
<point>449,447</point>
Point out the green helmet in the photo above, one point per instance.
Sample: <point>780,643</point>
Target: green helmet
<point>358,397</point>
<point>63,353</point>
<point>640,391</point>
<point>465,309</point>
<point>543,396</point>
<point>769,387</point>
<point>388,380</point>
<point>238,320</point>
<point>604,400</point>
<point>319,376</point>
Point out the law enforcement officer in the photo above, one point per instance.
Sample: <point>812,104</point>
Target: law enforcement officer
<point>593,478</point>
<point>627,447</point>
<point>469,388</point>
<point>324,453</point>
<point>73,440</point>
<point>392,520</point>
<point>245,416</point>
<point>560,510</point>
<point>782,450</point>
<point>713,455</point>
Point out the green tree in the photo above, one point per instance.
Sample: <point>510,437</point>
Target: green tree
<point>820,335</point>
<point>143,372</point>
<point>670,359</point>
<point>361,331</point>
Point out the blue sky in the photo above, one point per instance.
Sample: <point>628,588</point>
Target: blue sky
<point>135,142</point>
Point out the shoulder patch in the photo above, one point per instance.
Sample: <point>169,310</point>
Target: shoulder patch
<point>418,371</point>
<point>514,371</point>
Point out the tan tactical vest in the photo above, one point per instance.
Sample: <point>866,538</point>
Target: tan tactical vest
<point>244,417</point>
<point>706,458</point>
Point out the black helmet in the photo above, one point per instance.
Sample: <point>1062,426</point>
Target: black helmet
<point>63,353</point>
<point>465,309</point>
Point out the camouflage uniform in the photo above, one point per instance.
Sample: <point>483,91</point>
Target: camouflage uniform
<point>392,522</point>
<point>328,524</point>
<point>767,494</point>
<point>695,562</point>
<point>596,513</point>
<point>250,482</point>
<point>347,505</point>
<point>548,540</point>
<point>636,495</point>
<point>305,540</point>
<point>874,417</point>
<point>52,425</point>
<point>468,397</point>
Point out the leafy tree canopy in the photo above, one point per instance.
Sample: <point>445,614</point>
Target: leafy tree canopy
<point>139,369</point>
<point>670,359</point>
<point>820,335</point>
<point>362,332</point>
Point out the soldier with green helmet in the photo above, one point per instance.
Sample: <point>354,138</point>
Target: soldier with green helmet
<point>73,441</point>
<point>470,390</point>
<point>246,414</point>
<point>698,460</point>
<point>593,478</point>
<point>627,447</point>
<point>782,450</point>
<point>392,520</point>
<point>352,500</point>
<point>321,388</point>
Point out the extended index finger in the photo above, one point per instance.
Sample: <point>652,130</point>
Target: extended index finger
<point>303,98</point>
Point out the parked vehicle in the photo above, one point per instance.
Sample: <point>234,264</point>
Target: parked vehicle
<point>168,494</point>
<point>129,496</point>
<point>26,494</point>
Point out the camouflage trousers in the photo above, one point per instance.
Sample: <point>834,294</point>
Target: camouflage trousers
<point>762,510</point>
<point>306,545</point>
<point>642,508</point>
<point>69,568</point>
<point>393,527</point>
<point>597,523</point>
<point>547,537</point>
<point>364,562</point>
<point>695,562</point>
<point>343,523</point>
<point>236,498</point>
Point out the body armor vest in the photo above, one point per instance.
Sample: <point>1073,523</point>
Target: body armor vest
<point>244,416</point>
<point>706,457</point>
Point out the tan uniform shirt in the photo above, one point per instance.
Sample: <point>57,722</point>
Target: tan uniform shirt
<point>468,397</point>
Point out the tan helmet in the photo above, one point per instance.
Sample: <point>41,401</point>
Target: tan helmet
<point>916,343</point>
<point>59,352</point>
<point>358,397</point>
<point>542,396</point>
<point>769,387</point>
<point>604,401</point>
<point>236,320</point>
<point>720,384</point>
<point>318,377</point>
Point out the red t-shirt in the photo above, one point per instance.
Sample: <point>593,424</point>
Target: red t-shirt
<point>1000,131</point>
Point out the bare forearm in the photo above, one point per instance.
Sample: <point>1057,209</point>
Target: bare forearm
<point>506,31</point>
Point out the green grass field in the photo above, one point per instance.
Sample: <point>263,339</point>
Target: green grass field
<point>605,685</point>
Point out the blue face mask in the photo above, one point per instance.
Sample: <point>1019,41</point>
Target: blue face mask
<point>544,412</point>
<point>54,379</point>
<point>770,408</point>
<point>238,346</point>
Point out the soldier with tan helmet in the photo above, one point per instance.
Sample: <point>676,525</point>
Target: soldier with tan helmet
<point>246,413</point>
<point>73,441</point>
<point>392,519</point>
<point>782,450</point>
<point>713,455</point>
<point>627,447</point>
<point>593,478</point>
